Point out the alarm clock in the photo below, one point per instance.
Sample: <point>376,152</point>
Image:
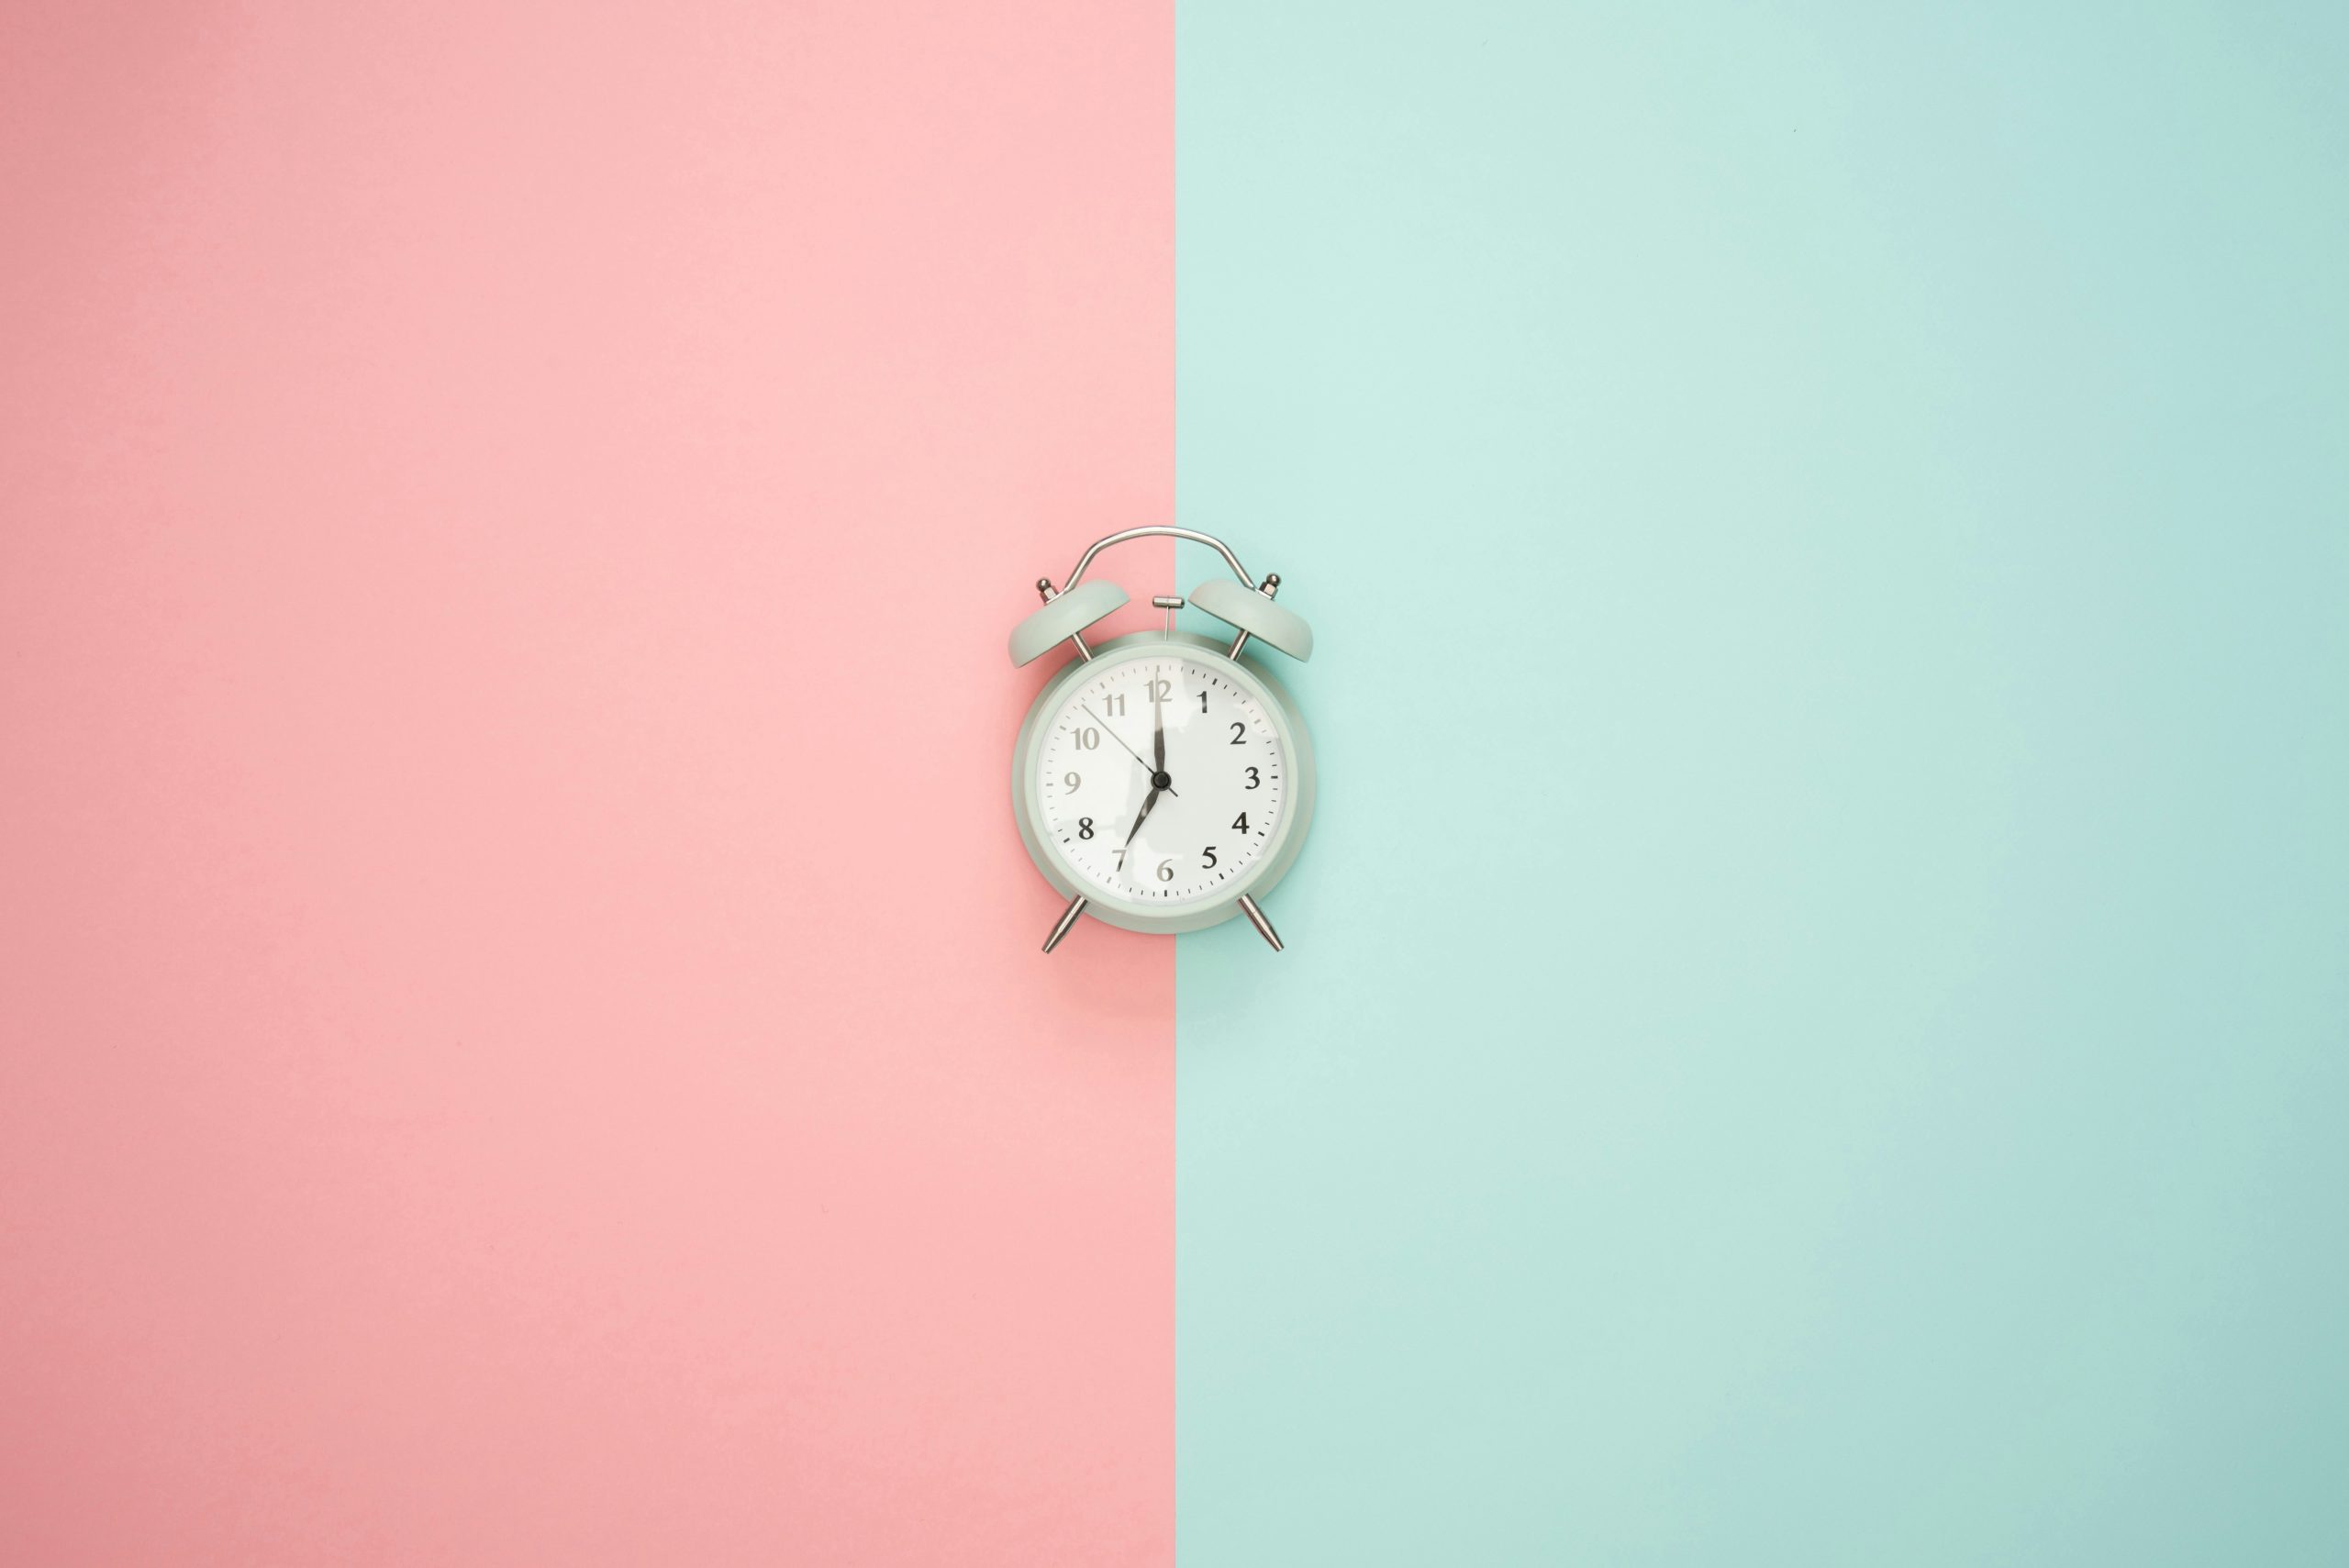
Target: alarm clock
<point>1161,781</point>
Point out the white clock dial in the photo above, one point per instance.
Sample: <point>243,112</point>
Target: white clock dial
<point>1171,833</point>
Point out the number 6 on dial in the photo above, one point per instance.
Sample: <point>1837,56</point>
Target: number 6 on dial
<point>1196,787</point>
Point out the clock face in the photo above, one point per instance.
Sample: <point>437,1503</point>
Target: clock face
<point>1171,833</point>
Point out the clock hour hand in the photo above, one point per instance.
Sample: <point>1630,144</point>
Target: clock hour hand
<point>1120,740</point>
<point>1158,730</point>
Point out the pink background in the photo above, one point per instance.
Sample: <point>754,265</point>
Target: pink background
<point>521,1036</point>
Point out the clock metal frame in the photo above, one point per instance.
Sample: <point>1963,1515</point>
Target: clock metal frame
<point>1250,609</point>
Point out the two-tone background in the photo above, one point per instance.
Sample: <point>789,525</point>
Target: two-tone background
<point>1816,1022</point>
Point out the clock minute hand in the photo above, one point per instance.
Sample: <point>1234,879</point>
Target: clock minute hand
<point>1147,802</point>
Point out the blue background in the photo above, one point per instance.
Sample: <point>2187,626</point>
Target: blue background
<point>1813,1024</point>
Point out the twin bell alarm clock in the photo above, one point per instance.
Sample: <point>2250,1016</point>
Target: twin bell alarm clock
<point>1161,781</point>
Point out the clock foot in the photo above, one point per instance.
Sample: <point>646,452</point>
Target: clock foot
<point>1256,918</point>
<point>1068,917</point>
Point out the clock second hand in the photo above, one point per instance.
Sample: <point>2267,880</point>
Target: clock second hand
<point>1129,750</point>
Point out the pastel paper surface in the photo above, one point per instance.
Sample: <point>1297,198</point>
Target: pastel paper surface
<point>495,496</point>
<point>1813,1026</point>
<point>521,1036</point>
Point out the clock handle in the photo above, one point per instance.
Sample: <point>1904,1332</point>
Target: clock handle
<point>1158,530</point>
